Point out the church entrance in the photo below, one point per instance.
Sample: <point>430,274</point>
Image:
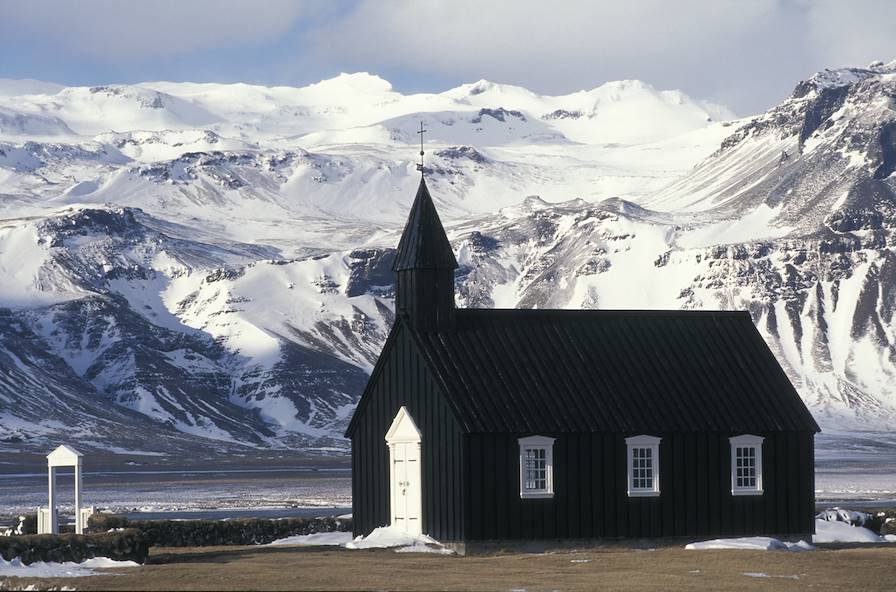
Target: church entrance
<point>403,439</point>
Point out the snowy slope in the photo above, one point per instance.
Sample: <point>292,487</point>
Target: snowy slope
<point>191,334</point>
<point>807,154</point>
<point>628,111</point>
<point>339,151</point>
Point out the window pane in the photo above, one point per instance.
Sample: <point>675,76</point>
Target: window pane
<point>642,468</point>
<point>745,467</point>
<point>535,467</point>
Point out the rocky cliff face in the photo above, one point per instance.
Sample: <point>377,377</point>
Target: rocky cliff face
<point>172,330</point>
<point>827,151</point>
<point>818,172</point>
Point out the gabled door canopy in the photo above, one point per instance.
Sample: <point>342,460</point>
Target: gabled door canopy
<point>403,428</point>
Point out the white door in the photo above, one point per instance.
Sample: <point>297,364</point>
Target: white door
<point>406,490</point>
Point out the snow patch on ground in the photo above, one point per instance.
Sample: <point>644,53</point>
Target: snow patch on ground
<point>825,532</point>
<point>841,532</point>
<point>750,543</point>
<point>69,569</point>
<point>425,548</point>
<point>760,574</point>
<point>386,537</point>
<point>316,539</point>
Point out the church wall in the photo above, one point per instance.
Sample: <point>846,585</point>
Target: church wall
<point>591,500</point>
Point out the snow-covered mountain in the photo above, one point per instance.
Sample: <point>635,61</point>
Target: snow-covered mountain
<point>209,261</point>
<point>223,341</point>
<point>240,159</point>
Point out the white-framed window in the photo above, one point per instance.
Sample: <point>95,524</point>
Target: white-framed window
<point>746,465</point>
<point>643,466</point>
<point>536,467</point>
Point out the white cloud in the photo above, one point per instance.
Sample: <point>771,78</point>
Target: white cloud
<point>852,33</point>
<point>547,45</point>
<point>744,54</point>
<point>527,34</point>
<point>112,31</point>
<point>748,54</point>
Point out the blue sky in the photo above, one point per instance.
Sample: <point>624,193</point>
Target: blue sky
<point>745,54</point>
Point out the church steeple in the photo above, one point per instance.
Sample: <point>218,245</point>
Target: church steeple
<point>423,244</point>
<point>424,268</point>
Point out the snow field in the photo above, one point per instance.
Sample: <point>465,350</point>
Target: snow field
<point>361,132</point>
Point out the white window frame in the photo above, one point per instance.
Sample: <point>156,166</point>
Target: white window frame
<point>652,443</point>
<point>746,441</point>
<point>537,443</point>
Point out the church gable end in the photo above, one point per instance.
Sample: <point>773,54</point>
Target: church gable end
<point>402,379</point>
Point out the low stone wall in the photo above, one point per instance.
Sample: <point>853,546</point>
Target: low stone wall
<point>124,545</point>
<point>204,533</point>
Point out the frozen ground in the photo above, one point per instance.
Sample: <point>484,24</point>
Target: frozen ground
<point>266,484</point>
<point>856,467</point>
<point>852,469</point>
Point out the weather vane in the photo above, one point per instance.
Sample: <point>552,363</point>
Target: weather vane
<point>421,132</point>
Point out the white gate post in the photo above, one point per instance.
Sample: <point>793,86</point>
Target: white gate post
<point>54,522</point>
<point>79,520</point>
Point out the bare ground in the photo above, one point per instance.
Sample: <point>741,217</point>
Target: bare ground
<point>321,568</point>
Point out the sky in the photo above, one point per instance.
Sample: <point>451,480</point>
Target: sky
<point>747,55</point>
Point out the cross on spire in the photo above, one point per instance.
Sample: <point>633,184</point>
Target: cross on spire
<point>421,132</point>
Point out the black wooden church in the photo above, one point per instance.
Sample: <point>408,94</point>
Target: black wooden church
<point>535,425</point>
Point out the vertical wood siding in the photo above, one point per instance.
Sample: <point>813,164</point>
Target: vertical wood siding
<point>406,381</point>
<point>426,296</point>
<point>590,494</point>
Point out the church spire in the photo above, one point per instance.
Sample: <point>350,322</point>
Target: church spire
<point>423,243</point>
<point>424,268</point>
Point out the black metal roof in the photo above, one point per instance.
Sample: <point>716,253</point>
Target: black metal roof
<point>424,244</point>
<point>549,371</point>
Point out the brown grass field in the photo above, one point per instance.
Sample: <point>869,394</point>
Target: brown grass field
<point>321,568</point>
